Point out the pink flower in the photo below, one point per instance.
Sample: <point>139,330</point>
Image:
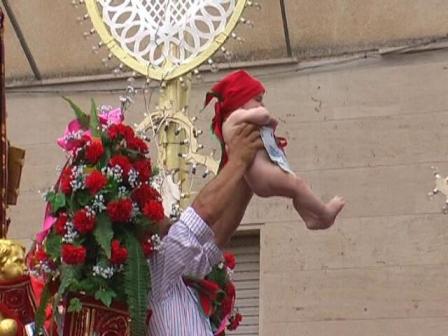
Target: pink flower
<point>229,260</point>
<point>73,134</point>
<point>114,116</point>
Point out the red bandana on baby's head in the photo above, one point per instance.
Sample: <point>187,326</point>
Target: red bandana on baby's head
<point>232,92</point>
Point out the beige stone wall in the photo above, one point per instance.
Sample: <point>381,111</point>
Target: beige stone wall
<point>369,130</point>
<point>316,28</point>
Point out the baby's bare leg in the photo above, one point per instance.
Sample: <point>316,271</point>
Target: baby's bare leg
<point>267,179</point>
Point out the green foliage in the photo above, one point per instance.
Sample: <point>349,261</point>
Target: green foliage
<point>103,232</point>
<point>105,296</point>
<point>130,284</point>
<point>137,285</point>
<point>56,200</point>
<point>87,285</point>
<point>80,115</point>
<point>94,121</point>
<point>107,155</point>
<point>39,317</point>
<point>131,153</point>
<point>142,223</point>
<point>74,306</point>
<point>53,245</point>
<point>84,197</point>
<point>155,171</point>
<point>219,276</point>
<point>69,277</point>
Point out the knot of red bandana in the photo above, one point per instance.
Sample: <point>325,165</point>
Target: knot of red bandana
<point>232,92</point>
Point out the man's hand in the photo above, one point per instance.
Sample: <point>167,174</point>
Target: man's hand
<point>214,199</point>
<point>244,144</point>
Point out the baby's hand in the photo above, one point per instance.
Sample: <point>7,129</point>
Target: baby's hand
<point>273,122</point>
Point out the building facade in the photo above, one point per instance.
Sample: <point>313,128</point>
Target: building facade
<point>359,89</point>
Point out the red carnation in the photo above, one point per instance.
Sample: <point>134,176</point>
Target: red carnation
<point>83,222</point>
<point>73,255</point>
<point>120,210</point>
<point>235,321</point>
<point>230,290</point>
<point>137,144</point>
<point>209,288</point>
<point>65,180</point>
<point>118,254</point>
<point>95,181</point>
<point>119,130</point>
<point>148,248</point>
<point>40,255</point>
<point>153,209</point>
<point>226,307</point>
<point>144,193</point>
<point>59,225</point>
<point>143,167</point>
<point>229,260</point>
<point>94,151</point>
<point>79,143</point>
<point>121,161</point>
<point>227,303</point>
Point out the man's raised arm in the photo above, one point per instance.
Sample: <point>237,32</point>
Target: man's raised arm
<point>222,202</point>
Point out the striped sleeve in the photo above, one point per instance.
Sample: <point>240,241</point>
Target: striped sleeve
<point>188,249</point>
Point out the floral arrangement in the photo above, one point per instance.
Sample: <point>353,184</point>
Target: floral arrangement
<point>217,296</point>
<point>102,218</point>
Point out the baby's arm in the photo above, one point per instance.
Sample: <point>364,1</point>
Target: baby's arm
<point>259,116</point>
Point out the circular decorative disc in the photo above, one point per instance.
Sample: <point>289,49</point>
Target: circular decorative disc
<point>164,39</point>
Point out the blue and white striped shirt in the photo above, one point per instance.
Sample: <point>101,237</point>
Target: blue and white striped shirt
<point>188,249</point>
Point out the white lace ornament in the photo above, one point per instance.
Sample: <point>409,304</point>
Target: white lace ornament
<point>149,29</point>
<point>164,39</point>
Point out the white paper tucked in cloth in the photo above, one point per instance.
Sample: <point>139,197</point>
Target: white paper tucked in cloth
<point>275,153</point>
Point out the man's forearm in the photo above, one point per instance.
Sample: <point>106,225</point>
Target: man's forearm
<point>217,196</point>
<point>231,218</point>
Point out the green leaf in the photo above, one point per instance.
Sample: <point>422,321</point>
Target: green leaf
<point>69,277</point>
<point>131,153</point>
<point>74,306</point>
<point>137,284</point>
<point>80,115</point>
<point>105,296</point>
<point>53,245</point>
<point>94,121</point>
<point>155,171</point>
<point>143,223</point>
<point>103,232</point>
<point>87,285</point>
<point>39,317</point>
<point>49,196</point>
<point>218,275</point>
<point>106,157</point>
<point>57,202</point>
<point>84,197</point>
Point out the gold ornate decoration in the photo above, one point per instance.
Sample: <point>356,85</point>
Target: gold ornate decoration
<point>176,137</point>
<point>12,260</point>
<point>167,40</point>
<point>177,56</point>
<point>8,327</point>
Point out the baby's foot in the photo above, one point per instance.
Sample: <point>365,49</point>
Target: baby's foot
<point>326,219</point>
<point>333,207</point>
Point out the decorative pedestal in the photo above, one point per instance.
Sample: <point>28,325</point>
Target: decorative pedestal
<point>8,314</point>
<point>18,297</point>
<point>97,319</point>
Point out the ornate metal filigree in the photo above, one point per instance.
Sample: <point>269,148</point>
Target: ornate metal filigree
<point>166,38</point>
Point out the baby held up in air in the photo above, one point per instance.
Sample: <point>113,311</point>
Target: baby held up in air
<point>240,100</point>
